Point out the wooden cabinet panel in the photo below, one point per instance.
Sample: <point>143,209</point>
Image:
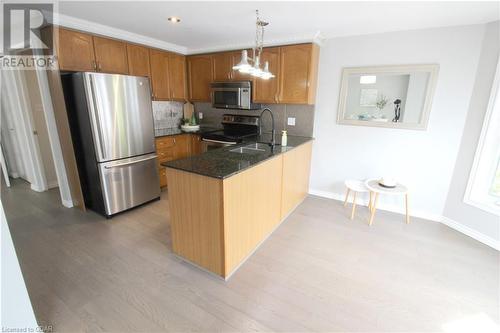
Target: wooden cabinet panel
<point>163,176</point>
<point>200,77</point>
<point>298,74</point>
<point>75,51</point>
<point>296,168</point>
<point>196,147</point>
<point>236,75</point>
<point>182,146</point>
<point>177,76</point>
<point>110,55</point>
<point>266,91</point>
<point>138,60</point>
<point>222,64</point>
<point>159,74</point>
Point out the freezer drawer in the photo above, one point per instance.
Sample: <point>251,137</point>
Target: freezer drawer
<point>129,182</point>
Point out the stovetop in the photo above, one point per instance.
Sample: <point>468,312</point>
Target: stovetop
<point>235,129</point>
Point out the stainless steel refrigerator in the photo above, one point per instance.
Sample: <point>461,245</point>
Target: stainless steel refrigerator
<point>111,123</point>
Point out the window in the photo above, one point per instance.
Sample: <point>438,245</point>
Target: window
<point>483,189</point>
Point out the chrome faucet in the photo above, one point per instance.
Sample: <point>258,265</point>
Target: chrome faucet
<point>273,132</point>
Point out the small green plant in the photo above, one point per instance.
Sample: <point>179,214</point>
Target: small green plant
<point>186,121</point>
<point>382,102</point>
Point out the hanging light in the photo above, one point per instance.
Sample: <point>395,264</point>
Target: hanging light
<point>249,65</point>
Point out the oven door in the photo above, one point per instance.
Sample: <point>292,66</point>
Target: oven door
<point>209,144</point>
<point>226,98</point>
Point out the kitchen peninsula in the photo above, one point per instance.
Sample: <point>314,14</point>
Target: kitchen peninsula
<point>225,202</point>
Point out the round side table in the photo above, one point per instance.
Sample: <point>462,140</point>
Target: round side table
<point>374,187</point>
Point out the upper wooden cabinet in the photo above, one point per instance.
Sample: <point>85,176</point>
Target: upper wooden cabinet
<point>266,91</point>
<point>236,75</point>
<point>298,74</point>
<point>177,76</point>
<point>138,60</point>
<point>110,55</point>
<point>200,77</point>
<point>222,64</point>
<point>75,51</point>
<point>159,74</point>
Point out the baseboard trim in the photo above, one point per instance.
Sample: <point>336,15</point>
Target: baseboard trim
<point>471,233</point>
<point>67,203</point>
<point>427,216</point>
<point>389,208</point>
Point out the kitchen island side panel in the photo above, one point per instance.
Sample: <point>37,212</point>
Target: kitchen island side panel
<point>252,209</point>
<point>196,219</point>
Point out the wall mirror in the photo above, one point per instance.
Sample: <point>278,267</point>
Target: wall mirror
<point>387,96</point>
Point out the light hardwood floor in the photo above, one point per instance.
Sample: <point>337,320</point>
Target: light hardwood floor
<point>318,272</point>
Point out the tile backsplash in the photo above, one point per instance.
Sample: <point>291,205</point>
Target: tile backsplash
<point>303,114</point>
<point>167,114</point>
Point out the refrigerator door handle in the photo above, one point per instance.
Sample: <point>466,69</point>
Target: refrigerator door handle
<point>95,118</point>
<point>129,163</point>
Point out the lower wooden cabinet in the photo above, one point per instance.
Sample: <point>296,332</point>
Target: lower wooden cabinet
<point>174,147</point>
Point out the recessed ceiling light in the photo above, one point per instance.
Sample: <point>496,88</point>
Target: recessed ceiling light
<point>174,19</point>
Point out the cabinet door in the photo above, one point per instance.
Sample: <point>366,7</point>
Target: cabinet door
<point>110,55</point>
<point>159,74</point>
<point>222,66</point>
<point>182,146</point>
<point>75,51</point>
<point>195,145</point>
<point>138,60</point>
<point>236,75</point>
<point>200,77</point>
<point>298,69</point>
<point>177,76</point>
<point>266,91</point>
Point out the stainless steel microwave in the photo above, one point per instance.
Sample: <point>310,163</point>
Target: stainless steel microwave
<point>233,95</point>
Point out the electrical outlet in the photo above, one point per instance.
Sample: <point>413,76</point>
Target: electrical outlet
<point>291,121</point>
<point>200,115</point>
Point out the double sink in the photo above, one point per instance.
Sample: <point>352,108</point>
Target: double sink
<point>253,148</point>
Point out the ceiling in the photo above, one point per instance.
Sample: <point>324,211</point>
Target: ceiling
<point>209,26</point>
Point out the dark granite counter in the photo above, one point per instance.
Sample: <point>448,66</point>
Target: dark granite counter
<point>159,132</point>
<point>222,163</point>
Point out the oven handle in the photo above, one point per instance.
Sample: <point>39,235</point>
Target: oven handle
<point>217,141</point>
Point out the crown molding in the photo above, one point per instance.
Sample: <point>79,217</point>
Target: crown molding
<point>307,38</point>
<point>104,30</point>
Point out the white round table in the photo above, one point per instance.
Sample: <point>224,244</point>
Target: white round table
<point>374,187</point>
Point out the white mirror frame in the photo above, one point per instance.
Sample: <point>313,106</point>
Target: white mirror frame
<point>432,69</point>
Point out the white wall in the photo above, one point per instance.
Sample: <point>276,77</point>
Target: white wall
<point>423,160</point>
<point>468,216</point>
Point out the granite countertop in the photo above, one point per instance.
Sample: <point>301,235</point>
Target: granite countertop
<point>222,163</point>
<point>159,132</point>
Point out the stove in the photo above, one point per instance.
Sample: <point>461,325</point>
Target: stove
<point>235,129</point>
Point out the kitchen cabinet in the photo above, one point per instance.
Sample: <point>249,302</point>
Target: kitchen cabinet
<point>222,66</point>
<point>159,74</point>
<point>266,91</point>
<point>170,148</point>
<point>177,76</point>
<point>196,147</point>
<point>138,60</point>
<point>200,77</point>
<point>298,74</point>
<point>110,55</point>
<point>75,51</point>
<point>236,75</point>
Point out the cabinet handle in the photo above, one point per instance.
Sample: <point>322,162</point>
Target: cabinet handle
<point>94,65</point>
<point>99,66</point>
<point>174,140</point>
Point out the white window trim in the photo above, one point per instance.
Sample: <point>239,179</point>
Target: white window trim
<point>468,198</point>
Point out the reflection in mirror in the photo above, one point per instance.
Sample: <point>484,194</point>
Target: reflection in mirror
<point>387,96</point>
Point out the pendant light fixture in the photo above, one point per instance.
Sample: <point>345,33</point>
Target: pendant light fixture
<point>251,65</point>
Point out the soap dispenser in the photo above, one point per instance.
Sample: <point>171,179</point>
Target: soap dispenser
<point>284,138</point>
